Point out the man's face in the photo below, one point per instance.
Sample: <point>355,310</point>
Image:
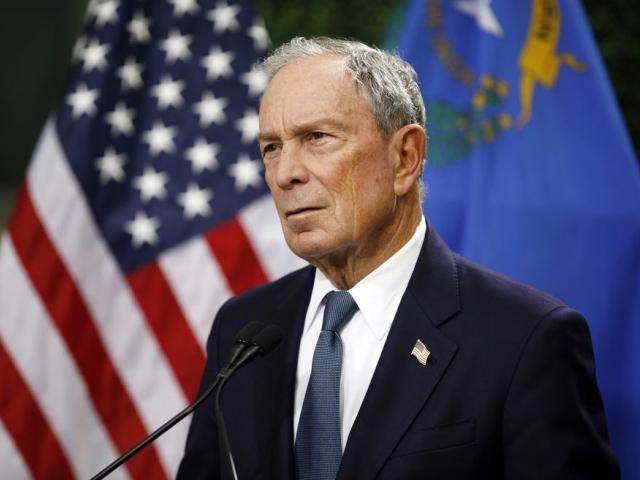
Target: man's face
<point>328,166</point>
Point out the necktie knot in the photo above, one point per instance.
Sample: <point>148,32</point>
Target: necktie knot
<point>340,307</point>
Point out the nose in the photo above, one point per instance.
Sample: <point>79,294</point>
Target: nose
<point>290,168</point>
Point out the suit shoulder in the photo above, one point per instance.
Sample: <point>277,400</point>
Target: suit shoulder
<point>479,285</point>
<point>272,292</point>
<point>259,301</point>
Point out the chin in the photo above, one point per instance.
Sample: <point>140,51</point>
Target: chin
<point>308,245</point>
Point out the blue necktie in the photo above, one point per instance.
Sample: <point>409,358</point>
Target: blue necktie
<point>318,443</point>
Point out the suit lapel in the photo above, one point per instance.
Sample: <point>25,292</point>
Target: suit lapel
<point>401,386</point>
<point>275,378</point>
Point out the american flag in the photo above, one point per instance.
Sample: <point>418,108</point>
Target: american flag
<point>143,209</point>
<point>421,352</point>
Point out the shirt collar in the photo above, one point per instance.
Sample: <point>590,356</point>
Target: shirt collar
<point>321,286</point>
<point>378,295</point>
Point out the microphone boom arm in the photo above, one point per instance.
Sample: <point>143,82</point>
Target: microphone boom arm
<point>264,340</point>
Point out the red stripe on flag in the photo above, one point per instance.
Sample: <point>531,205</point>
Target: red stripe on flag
<point>28,426</point>
<point>68,310</point>
<point>166,319</point>
<point>235,255</point>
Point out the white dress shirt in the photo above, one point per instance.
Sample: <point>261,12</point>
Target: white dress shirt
<point>378,296</point>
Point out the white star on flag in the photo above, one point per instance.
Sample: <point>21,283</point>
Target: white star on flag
<point>131,74</point>
<point>160,139</point>
<point>143,229</point>
<point>218,63</point>
<point>105,11</point>
<point>138,28</point>
<point>246,172</point>
<point>82,101</point>
<point>168,93</point>
<point>94,56</point>
<point>111,166</point>
<point>91,9</point>
<point>176,46</point>
<point>78,49</point>
<point>210,109</point>
<point>258,32</point>
<point>255,79</point>
<point>248,125</point>
<point>152,184</point>
<point>203,156</point>
<point>224,17</point>
<point>195,201</point>
<point>484,16</point>
<point>180,7</point>
<point>121,120</point>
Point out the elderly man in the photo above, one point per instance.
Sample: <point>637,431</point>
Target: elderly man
<point>401,359</point>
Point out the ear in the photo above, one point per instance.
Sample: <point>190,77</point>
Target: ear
<point>408,148</point>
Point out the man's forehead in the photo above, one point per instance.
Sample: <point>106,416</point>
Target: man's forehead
<point>326,62</point>
<point>313,91</point>
<point>329,71</point>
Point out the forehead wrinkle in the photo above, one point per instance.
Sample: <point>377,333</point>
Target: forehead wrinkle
<point>298,128</point>
<point>290,115</point>
<point>321,122</point>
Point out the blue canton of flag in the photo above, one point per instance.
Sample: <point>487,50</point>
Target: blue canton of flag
<point>163,96</point>
<point>531,171</point>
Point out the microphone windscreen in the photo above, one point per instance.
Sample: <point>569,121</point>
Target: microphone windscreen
<point>250,330</point>
<point>268,339</point>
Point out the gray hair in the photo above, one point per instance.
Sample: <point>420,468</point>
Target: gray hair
<point>386,82</point>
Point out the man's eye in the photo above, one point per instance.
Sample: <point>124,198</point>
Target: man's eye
<point>269,148</point>
<point>317,135</point>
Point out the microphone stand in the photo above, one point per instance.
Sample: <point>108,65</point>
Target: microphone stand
<point>222,377</point>
<point>263,342</point>
<point>166,426</point>
<point>227,465</point>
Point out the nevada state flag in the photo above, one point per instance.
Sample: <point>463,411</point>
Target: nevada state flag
<point>531,171</point>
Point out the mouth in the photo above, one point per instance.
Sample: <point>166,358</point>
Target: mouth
<point>295,212</point>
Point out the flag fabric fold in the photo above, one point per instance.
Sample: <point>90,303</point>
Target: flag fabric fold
<point>531,171</point>
<point>143,209</point>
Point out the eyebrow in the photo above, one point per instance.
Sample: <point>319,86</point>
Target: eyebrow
<point>304,127</point>
<point>263,137</point>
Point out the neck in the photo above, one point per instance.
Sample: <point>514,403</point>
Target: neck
<point>345,269</point>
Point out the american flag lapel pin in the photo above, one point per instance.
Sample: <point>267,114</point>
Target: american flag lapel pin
<point>421,352</point>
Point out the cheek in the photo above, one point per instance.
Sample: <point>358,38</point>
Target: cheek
<point>268,176</point>
<point>375,197</point>
<point>344,193</point>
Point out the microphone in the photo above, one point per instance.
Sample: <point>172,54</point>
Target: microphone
<point>244,338</point>
<point>262,343</point>
<point>248,338</point>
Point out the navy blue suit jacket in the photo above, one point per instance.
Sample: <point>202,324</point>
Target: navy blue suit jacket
<point>509,391</point>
